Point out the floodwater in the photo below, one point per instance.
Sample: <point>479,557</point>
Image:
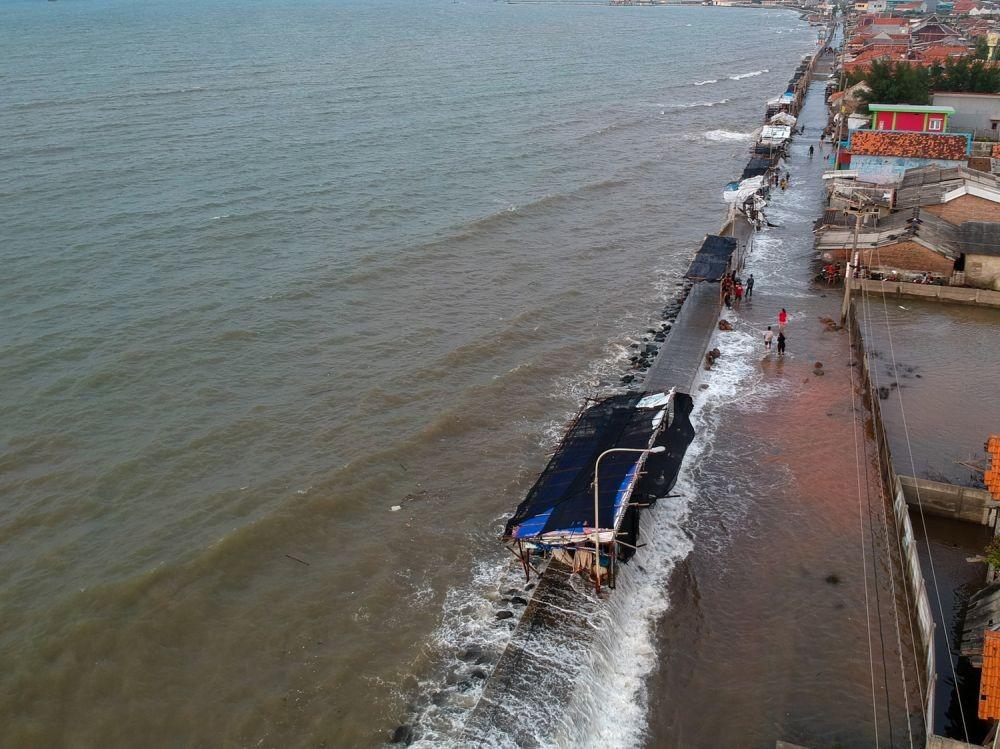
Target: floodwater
<point>939,363</point>
<point>936,365</point>
<point>945,547</point>
<point>788,619</point>
<point>296,297</point>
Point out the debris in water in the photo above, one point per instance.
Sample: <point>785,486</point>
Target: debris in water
<point>395,508</point>
<point>403,735</point>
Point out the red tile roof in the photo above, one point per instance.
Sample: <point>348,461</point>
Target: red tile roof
<point>865,59</point>
<point>909,145</point>
<point>964,6</point>
<point>940,52</point>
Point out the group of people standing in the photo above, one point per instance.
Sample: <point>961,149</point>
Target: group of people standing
<point>769,334</point>
<point>733,290</point>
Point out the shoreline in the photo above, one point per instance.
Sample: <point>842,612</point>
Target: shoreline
<point>549,589</point>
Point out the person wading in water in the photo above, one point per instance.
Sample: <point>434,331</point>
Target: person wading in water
<point>781,343</point>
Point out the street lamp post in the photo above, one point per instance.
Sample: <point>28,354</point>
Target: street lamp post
<point>597,507</point>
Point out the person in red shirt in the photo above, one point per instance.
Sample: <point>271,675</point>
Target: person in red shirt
<point>782,318</point>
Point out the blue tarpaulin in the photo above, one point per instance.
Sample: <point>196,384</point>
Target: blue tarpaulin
<point>561,503</point>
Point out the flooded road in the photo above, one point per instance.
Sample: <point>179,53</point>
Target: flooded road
<point>787,616</point>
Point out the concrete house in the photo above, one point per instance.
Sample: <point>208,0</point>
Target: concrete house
<point>974,113</point>
<point>959,209</point>
<point>883,156</point>
<point>910,117</point>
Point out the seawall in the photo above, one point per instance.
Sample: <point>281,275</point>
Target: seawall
<point>556,607</point>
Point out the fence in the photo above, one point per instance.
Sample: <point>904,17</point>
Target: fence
<point>908,543</point>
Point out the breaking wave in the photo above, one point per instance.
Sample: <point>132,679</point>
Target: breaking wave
<point>741,76</point>
<point>693,104</point>
<point>724,135</point>
<point>705,82</point>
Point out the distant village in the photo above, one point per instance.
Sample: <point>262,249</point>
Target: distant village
<point>914,169</point>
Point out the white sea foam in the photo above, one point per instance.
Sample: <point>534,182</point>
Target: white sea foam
<point>609,704</point>
<point>741,76</point>
<point>723,135</point>
<point>706,82</point>
<point>692,104</point>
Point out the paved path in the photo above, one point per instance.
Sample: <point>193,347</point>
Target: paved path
<point>683,352</point>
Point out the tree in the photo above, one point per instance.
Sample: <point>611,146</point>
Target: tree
<point>897,83</point>
<point>963,74</point>
<point>982,49</point>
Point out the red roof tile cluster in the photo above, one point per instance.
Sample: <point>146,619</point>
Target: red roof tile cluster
<point>866,58</point>
<point>962,7</point>
<point>909,145</point>
<point>940,52</point>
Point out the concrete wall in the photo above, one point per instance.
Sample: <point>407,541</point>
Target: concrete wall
<point>983,272</point>
<point>940,742</point>
<point>916,586</point>
<point>948,500</point>
<point>885,169</point>
<point>973,113</point>
<point>956,294</point>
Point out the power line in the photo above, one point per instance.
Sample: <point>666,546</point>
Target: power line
<point>864,559</point>
<point>920,505</point>
<point>892,575</point>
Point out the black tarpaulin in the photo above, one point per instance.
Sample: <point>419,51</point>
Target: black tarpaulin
<point>562,500</point>
<point>758,165</point>
<point>661,470</point>
<point>712,260</point>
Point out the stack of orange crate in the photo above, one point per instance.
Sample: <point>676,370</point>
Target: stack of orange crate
<point>989,685</point>
<point>992,475</point>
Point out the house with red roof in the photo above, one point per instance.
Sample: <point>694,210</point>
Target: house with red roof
<point>864,60</point>
<point>933,30</point>
<point>939,54</point>
<point>963,7</point>
<point>882,156</point>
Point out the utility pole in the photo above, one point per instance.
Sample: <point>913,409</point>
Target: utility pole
<point>852,263</point>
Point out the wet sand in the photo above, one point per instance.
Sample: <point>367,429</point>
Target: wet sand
<point>768,630</point>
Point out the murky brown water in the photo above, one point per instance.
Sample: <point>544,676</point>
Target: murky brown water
<point>272,269</point>
<point>946,364</point>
